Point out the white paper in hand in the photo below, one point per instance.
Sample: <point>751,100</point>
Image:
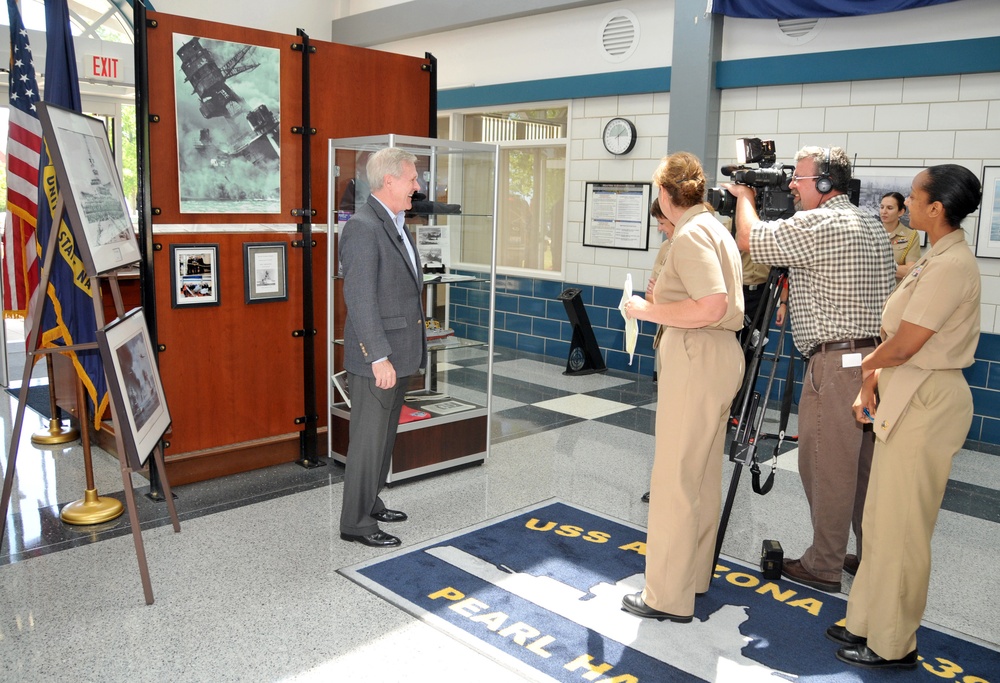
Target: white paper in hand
<point>631,324</point>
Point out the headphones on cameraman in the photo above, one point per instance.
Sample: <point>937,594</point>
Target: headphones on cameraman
<point>824,183</point>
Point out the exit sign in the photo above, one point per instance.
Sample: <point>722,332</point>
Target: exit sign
<point>104,68</point>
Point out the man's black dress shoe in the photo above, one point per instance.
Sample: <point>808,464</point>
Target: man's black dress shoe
<point>840,634</point>
<point>377,539</point>
<point>388,515</point>
<point>851,564</point>
<point>862,655</point>
<point>634,603</point>
<point>645,497</point>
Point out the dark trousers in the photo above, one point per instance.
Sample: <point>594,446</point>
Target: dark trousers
<point>374,420</point>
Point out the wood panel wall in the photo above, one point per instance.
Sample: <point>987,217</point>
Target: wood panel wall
<point>233,373</point>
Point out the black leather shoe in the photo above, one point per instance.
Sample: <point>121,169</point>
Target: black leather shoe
<point>840,634</point>
<point>645,497</point>
<point>388,515</point>
<point>377,539</point>
<point>634,603</point>
<point>851,564</point>
<point>862,655</point>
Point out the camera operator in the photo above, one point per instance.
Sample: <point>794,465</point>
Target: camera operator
<point>841,271</point>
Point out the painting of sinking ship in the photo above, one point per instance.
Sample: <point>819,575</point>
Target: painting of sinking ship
<point>228,118</point>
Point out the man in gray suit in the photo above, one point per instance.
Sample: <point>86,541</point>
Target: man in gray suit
<point>384,338</point>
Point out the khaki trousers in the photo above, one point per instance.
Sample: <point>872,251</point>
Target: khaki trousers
<point>694,397</point>
<point>908,480</point>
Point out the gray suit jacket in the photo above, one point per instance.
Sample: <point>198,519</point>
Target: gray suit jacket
<point>385,317</point>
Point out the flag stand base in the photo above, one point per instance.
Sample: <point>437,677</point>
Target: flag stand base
<point>92,509</point>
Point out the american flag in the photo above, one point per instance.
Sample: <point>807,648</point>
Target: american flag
<point>24,144</point>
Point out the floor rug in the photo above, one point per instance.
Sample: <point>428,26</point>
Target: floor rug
<point>540,591</point>
<point>38,398</point>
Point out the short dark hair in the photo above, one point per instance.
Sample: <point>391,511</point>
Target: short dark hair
<point>957,188</point>
<point>900,199</point>
<point>654,209</point>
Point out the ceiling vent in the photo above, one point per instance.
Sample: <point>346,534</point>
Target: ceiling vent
<point>798,31</point>
<point>619,35</point>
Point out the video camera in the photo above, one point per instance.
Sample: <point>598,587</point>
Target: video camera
<point>774,199</point>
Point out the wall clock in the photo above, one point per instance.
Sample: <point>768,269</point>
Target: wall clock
<point>619,136</point>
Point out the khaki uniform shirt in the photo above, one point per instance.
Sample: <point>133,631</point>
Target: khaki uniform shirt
<point>905,245</point>
<point>941,293</point>
<point>703,260</point>
<point>661,258</point>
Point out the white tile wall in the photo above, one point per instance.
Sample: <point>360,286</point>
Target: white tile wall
<point>856,118</point>
<point>931,89</point>
<point>959,115</point>
<point>901,117</point>
<point>896,122</point>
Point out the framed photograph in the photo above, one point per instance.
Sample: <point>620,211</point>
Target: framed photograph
<point>91,189</point>
<point>876,181</point>
<point>134,383</point>
<point>616,215</point>
<point>988,233</point>
<point>194,275</point>
<point>265,272</point>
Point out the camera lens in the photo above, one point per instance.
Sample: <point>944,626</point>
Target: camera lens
<point>722,200</point>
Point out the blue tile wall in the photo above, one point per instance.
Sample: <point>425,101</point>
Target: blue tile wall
<point>531,317</point>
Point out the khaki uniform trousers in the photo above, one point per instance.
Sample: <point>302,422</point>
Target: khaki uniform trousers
<point>908,479</point>
<point>693,402</point>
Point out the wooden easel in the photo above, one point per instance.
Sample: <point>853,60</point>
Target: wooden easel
<point>126,467</point>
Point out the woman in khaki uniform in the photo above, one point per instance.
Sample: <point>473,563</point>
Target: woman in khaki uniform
<point>698,299</point>
<point>930,328</point>
<point>905,242</point>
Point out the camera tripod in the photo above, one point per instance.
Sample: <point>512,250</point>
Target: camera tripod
<point>749,407</point>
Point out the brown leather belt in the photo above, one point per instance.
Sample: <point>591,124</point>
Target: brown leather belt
<point>845,344</point>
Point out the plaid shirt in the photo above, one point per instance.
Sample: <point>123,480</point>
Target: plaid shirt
<point>840,270</point>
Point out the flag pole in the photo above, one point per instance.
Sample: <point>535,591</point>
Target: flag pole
<point>91,509</point>
<point>57,433</point>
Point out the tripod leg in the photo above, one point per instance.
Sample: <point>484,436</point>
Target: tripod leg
<point>727,510</point>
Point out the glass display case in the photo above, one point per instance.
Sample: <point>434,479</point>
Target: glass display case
<point>446,417</point>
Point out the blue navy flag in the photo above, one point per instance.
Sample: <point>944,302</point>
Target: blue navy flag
<point>70,319</point>
<point>812,9</point>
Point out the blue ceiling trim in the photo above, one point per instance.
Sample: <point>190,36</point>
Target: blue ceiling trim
<point>977,55</point>
<point>592,85</point>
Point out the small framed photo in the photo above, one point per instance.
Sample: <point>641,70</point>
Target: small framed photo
<point>194,275</point>
<point>265,272</point>
<point>134,383</point>
<point>988,233</point>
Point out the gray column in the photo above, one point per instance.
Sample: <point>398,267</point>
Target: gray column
<point>694,99</point>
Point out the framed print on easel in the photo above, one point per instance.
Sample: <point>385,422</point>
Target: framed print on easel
<point>91,188</point>
<point>134,383</point>
<point>988,233</point>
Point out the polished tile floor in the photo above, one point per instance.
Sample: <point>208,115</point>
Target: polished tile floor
<point>249,590</point>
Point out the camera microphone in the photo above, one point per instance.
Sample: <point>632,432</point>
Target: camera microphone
<point>728,170</point>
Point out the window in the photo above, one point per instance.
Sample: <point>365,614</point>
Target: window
<point>531,183</point>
